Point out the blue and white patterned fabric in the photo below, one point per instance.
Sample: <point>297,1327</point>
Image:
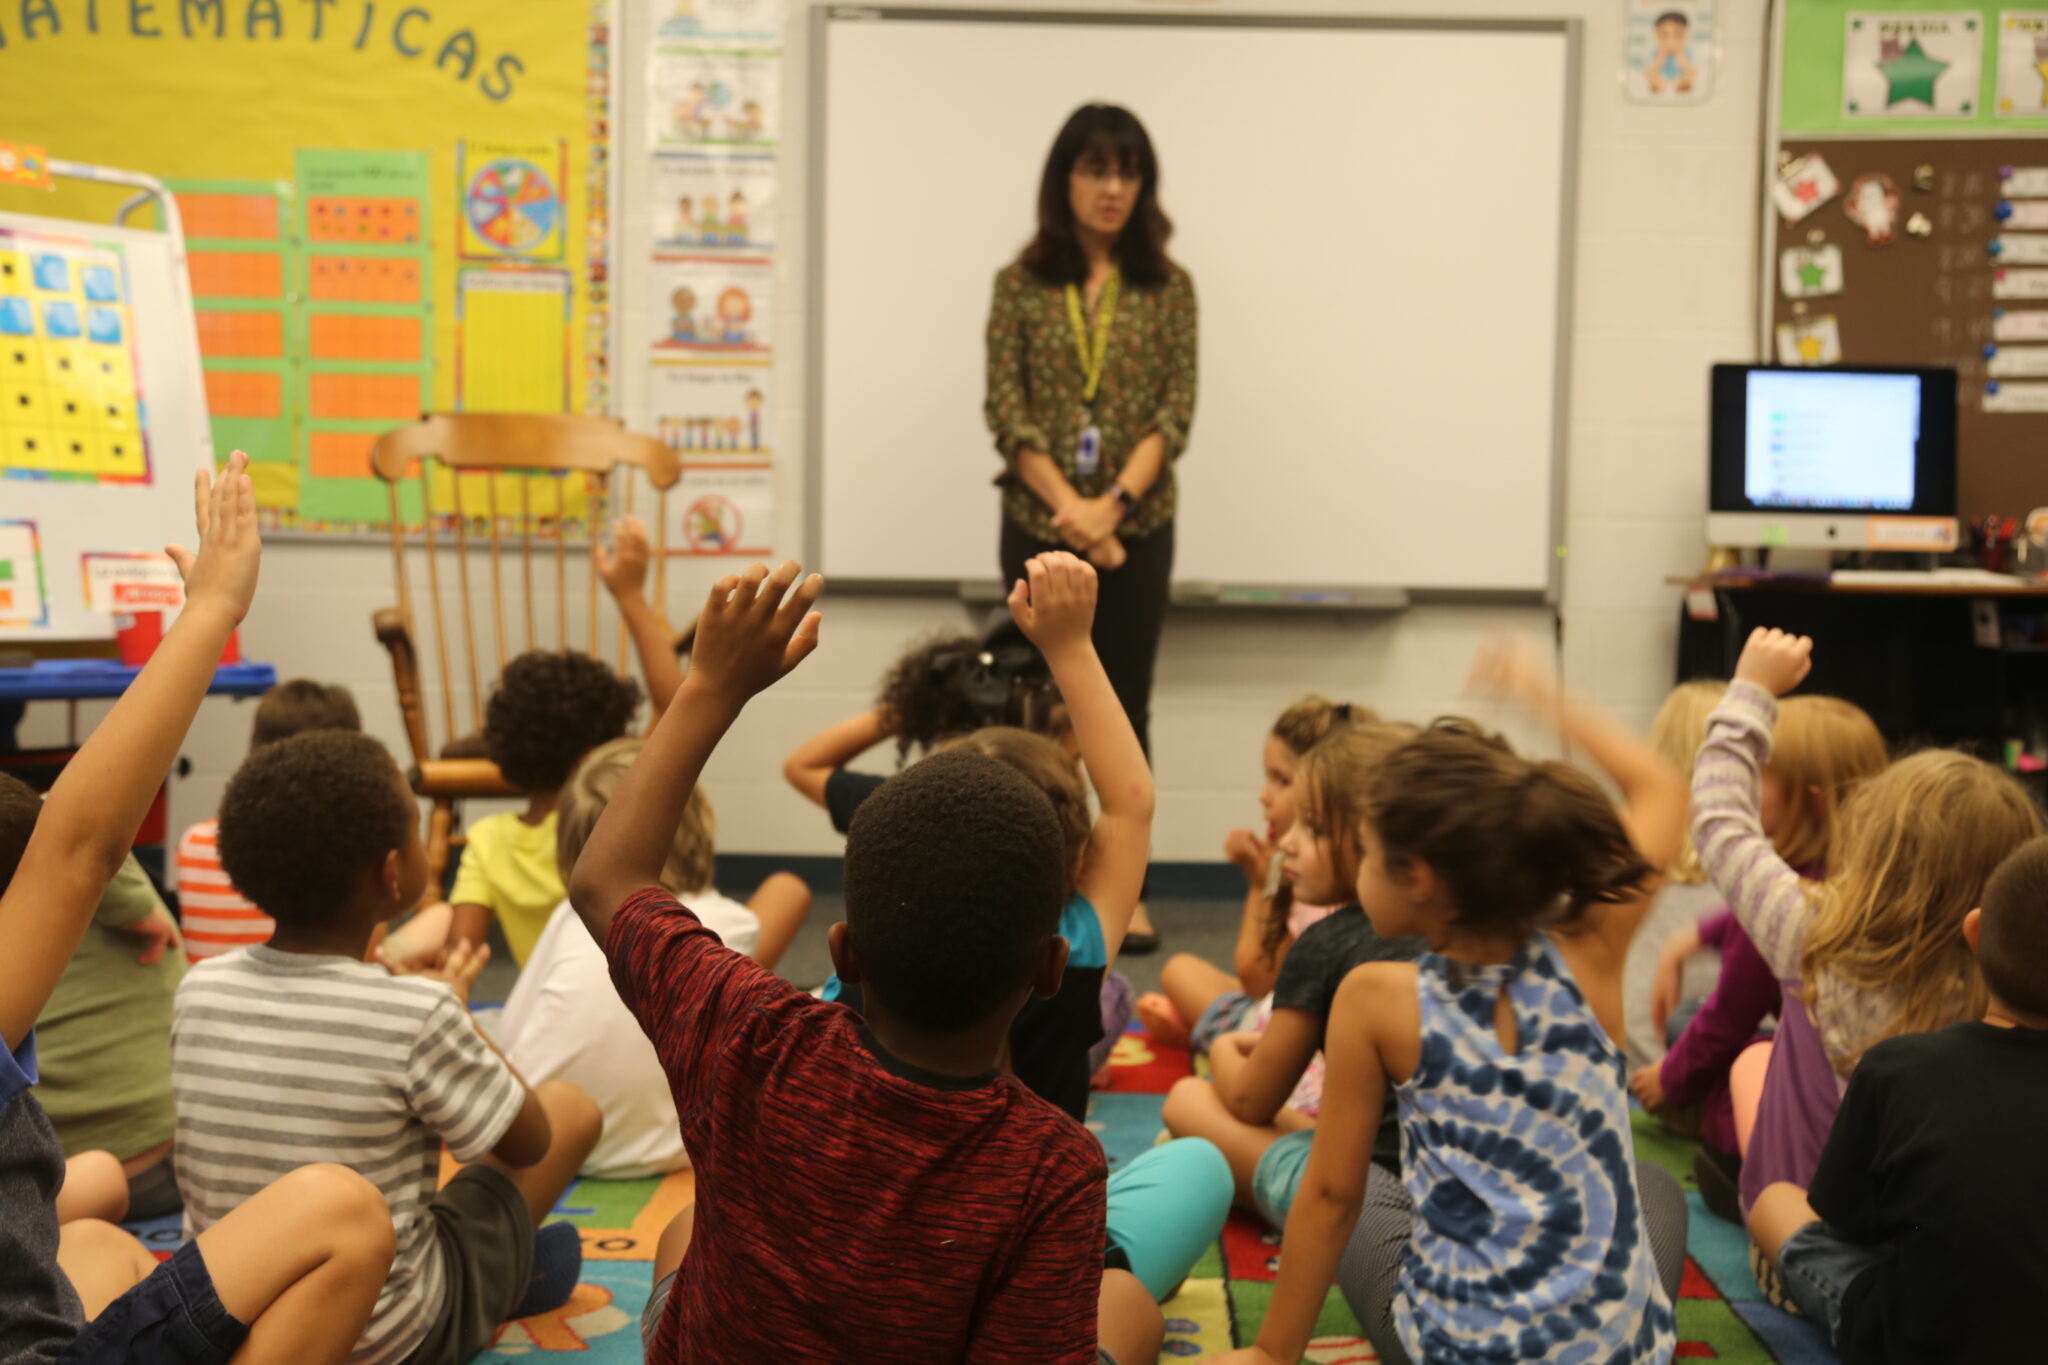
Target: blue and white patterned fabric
<point>1530,1242</point>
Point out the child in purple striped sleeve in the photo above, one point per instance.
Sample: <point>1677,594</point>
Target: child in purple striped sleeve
<point>1876,950</point>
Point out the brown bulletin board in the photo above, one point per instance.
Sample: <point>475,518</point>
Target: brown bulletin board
<point>1927,300</point>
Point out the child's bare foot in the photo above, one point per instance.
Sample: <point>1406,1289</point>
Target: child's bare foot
<point>1162,1021</point>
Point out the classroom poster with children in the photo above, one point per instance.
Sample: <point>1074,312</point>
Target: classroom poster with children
<point>723,508</point>
<point>1671,51</point>
<point>717,412</point>
<point>721,201</point>
<point>2022,63</point>
<point>711,308</point>
<point>725,21</point>
<point>1911,65</point>
<point>715,97</point>
<point>441,136</point>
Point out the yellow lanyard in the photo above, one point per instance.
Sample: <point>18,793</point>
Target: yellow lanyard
<point>1093,356</point>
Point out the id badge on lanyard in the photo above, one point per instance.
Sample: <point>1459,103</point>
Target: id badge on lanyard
<point>1093,350</point>
<point>1088,451</point>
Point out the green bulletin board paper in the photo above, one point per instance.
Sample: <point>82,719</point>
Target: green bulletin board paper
<point>1810,84</point>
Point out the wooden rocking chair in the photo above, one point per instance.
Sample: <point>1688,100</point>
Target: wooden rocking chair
<point>556,457</point>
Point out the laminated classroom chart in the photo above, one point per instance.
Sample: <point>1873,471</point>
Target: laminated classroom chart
<point>24,595</point>
<point>712,308</point>
<point>1671,51</point>
<point>721,97</point>
<point>712,412</point>
<point>724,508</point>
<point>515,340</point>
<point>70,401</point>
<point>1911,64</point>
<point>730,21</point>
<point>722,200</point>
<point>512,200</point>
<point>2022,63</point>
<point>314,340</point>
<point>126,581</point>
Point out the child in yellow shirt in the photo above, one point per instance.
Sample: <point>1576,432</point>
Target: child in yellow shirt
<point>547,711</point>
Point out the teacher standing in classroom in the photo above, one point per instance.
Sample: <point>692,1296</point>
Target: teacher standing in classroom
<point>1091,386</point>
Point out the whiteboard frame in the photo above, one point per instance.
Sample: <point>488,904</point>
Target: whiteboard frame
<point>1370,597</point>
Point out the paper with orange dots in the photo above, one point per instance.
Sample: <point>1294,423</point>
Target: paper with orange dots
<point>70,402</point>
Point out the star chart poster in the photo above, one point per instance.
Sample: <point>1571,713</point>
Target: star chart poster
<point>1911,65</point>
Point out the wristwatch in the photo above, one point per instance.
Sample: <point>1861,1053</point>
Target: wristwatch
<point>1125,496</point>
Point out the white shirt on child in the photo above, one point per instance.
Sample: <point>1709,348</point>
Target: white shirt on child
<point>280,1060</point>
<point>564,1019</point>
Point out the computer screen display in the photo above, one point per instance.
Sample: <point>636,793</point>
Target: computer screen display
<point>1833,440</point>
<point>1818,439</point>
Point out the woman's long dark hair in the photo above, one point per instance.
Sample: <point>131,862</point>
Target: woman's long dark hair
<point>1115,134</point>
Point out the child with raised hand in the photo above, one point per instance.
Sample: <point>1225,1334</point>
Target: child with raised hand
<point>292,1277</point>
<point>1197,1001</point>
<point>941,688</point>
<point>1167,1206</point>
<point>1245,1110</point>
<point>564,1018</point>
<point>547,711</point>
<point>1515,1230</point>
<point>1933,1172</point>
<point>1821,748</point>
<point>1877,949</point>
<point>349,1063</point>
<point>814,1130</point>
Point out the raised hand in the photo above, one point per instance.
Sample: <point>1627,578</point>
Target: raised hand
<point>622,563</point>
<point>1512,665</point>
<point>222,575</point>
<point>1054,604</point>
<point>1775,660</point>
<point>754,630</point>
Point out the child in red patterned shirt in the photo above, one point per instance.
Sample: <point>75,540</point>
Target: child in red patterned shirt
<point>871,1189</point>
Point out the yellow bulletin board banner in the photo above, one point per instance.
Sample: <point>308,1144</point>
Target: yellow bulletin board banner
<point>366,187</point>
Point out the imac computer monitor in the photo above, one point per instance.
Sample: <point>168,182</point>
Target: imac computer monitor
<point>1843,458</point>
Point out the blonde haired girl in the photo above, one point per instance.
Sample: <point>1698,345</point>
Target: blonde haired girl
<point>1879,945</point>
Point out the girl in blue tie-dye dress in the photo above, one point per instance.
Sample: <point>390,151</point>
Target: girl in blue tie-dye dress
<point>1517,1231</point>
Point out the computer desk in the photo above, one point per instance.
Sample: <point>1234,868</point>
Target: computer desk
<point>1933,662</point>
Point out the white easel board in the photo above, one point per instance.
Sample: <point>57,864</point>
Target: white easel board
<point>102,414</point>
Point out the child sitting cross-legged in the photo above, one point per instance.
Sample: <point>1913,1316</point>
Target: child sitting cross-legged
<point>563,1017</point>
<point>297,1051</point>
<point>1924,1239</point>
<point>872,1188</point>
<point>290,1277</point>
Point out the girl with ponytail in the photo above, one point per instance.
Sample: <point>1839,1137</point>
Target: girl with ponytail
<point>1520,1226</point>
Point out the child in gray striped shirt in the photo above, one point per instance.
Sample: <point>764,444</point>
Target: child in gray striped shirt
<point>298,1051</point>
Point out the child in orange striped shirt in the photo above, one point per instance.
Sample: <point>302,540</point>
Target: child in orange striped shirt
<point>214,915</point>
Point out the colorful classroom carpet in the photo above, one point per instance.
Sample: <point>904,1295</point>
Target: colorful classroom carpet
<point>1721,1315</point>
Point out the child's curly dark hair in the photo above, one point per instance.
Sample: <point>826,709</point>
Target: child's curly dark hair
<point>954,684</point>
<point>551,708</point>
<point>304,817</point>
